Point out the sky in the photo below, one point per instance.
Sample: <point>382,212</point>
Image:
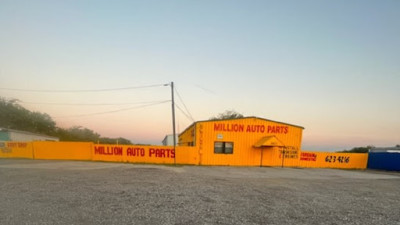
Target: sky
<point>332,67</point>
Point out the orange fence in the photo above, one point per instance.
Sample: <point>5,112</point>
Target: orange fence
<point>16,150</point>
<point>333,160</point>
<point>167,155</point>
<point>62,150</point>
<point>97,152</point>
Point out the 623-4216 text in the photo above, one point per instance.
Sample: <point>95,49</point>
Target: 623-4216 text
<point>339,159</point>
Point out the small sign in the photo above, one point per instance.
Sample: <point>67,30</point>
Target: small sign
<point>220,136</point>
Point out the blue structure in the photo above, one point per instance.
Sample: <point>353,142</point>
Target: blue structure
<point>384,159</point>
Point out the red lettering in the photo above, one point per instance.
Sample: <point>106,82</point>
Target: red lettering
<point>162,153</point>
<point>151,152</point>
<point>129,152</point>
<point>108,151</point>
<point>172,153</point>
<point>22,145</point>
<point>256,128</point>
<point>98,150</point>
<point>278,129</point>
<point>308,156</point>
<point>135,152</point>
<point>12,145</point>
<point>116,151</point>
<point>217,127</point>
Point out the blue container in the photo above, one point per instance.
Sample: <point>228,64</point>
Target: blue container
<point>384,161</point>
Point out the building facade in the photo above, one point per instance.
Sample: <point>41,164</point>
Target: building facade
<point>249,141</point>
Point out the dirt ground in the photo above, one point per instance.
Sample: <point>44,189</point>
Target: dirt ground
<point>75,192</point>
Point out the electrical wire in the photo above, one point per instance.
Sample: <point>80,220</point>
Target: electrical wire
<point>87,90</point>
<point>184,105</point>
<point>187,116</point>
<point>113,111</point>
<point>90,104</point>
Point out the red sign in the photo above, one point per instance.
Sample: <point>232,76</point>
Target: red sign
<point>305,156</point>
<point>251,128</point>
<point>152,152</point>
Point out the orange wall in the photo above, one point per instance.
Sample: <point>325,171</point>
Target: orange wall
<point>203,154</point>
<point>96,152</point>
<point>16,150</point>
<point>187,155</point>
<point>62,150</point>
<point>273,157</point>
<point>333,160</point>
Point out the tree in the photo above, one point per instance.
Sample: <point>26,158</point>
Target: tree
<point>14,116</point>
<point>78,133</point>
<point>358,149</point>
<point>228,114</point>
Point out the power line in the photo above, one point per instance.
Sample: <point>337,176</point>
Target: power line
<point>184,105</point>
<point>187,116</point>
<point>87,90</point>
<point>113,111</point>
<point>91,104</point>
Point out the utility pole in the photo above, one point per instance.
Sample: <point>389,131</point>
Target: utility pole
<point>173,119</point>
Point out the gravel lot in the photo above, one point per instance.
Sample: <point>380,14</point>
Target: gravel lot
<point>73,192</point>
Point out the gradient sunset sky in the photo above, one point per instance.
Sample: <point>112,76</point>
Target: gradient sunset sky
<point>332,67</point>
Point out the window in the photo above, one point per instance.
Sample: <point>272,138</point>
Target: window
<point>223,147</point>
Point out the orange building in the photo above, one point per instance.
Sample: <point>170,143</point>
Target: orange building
<point>249,141</point>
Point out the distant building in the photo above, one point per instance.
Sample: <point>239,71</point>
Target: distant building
<point>169,140</point>
<point>385,149</point>
<point>17,135</point>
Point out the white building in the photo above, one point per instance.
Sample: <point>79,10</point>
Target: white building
<point>169,140</point>
<point>17,135</point>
